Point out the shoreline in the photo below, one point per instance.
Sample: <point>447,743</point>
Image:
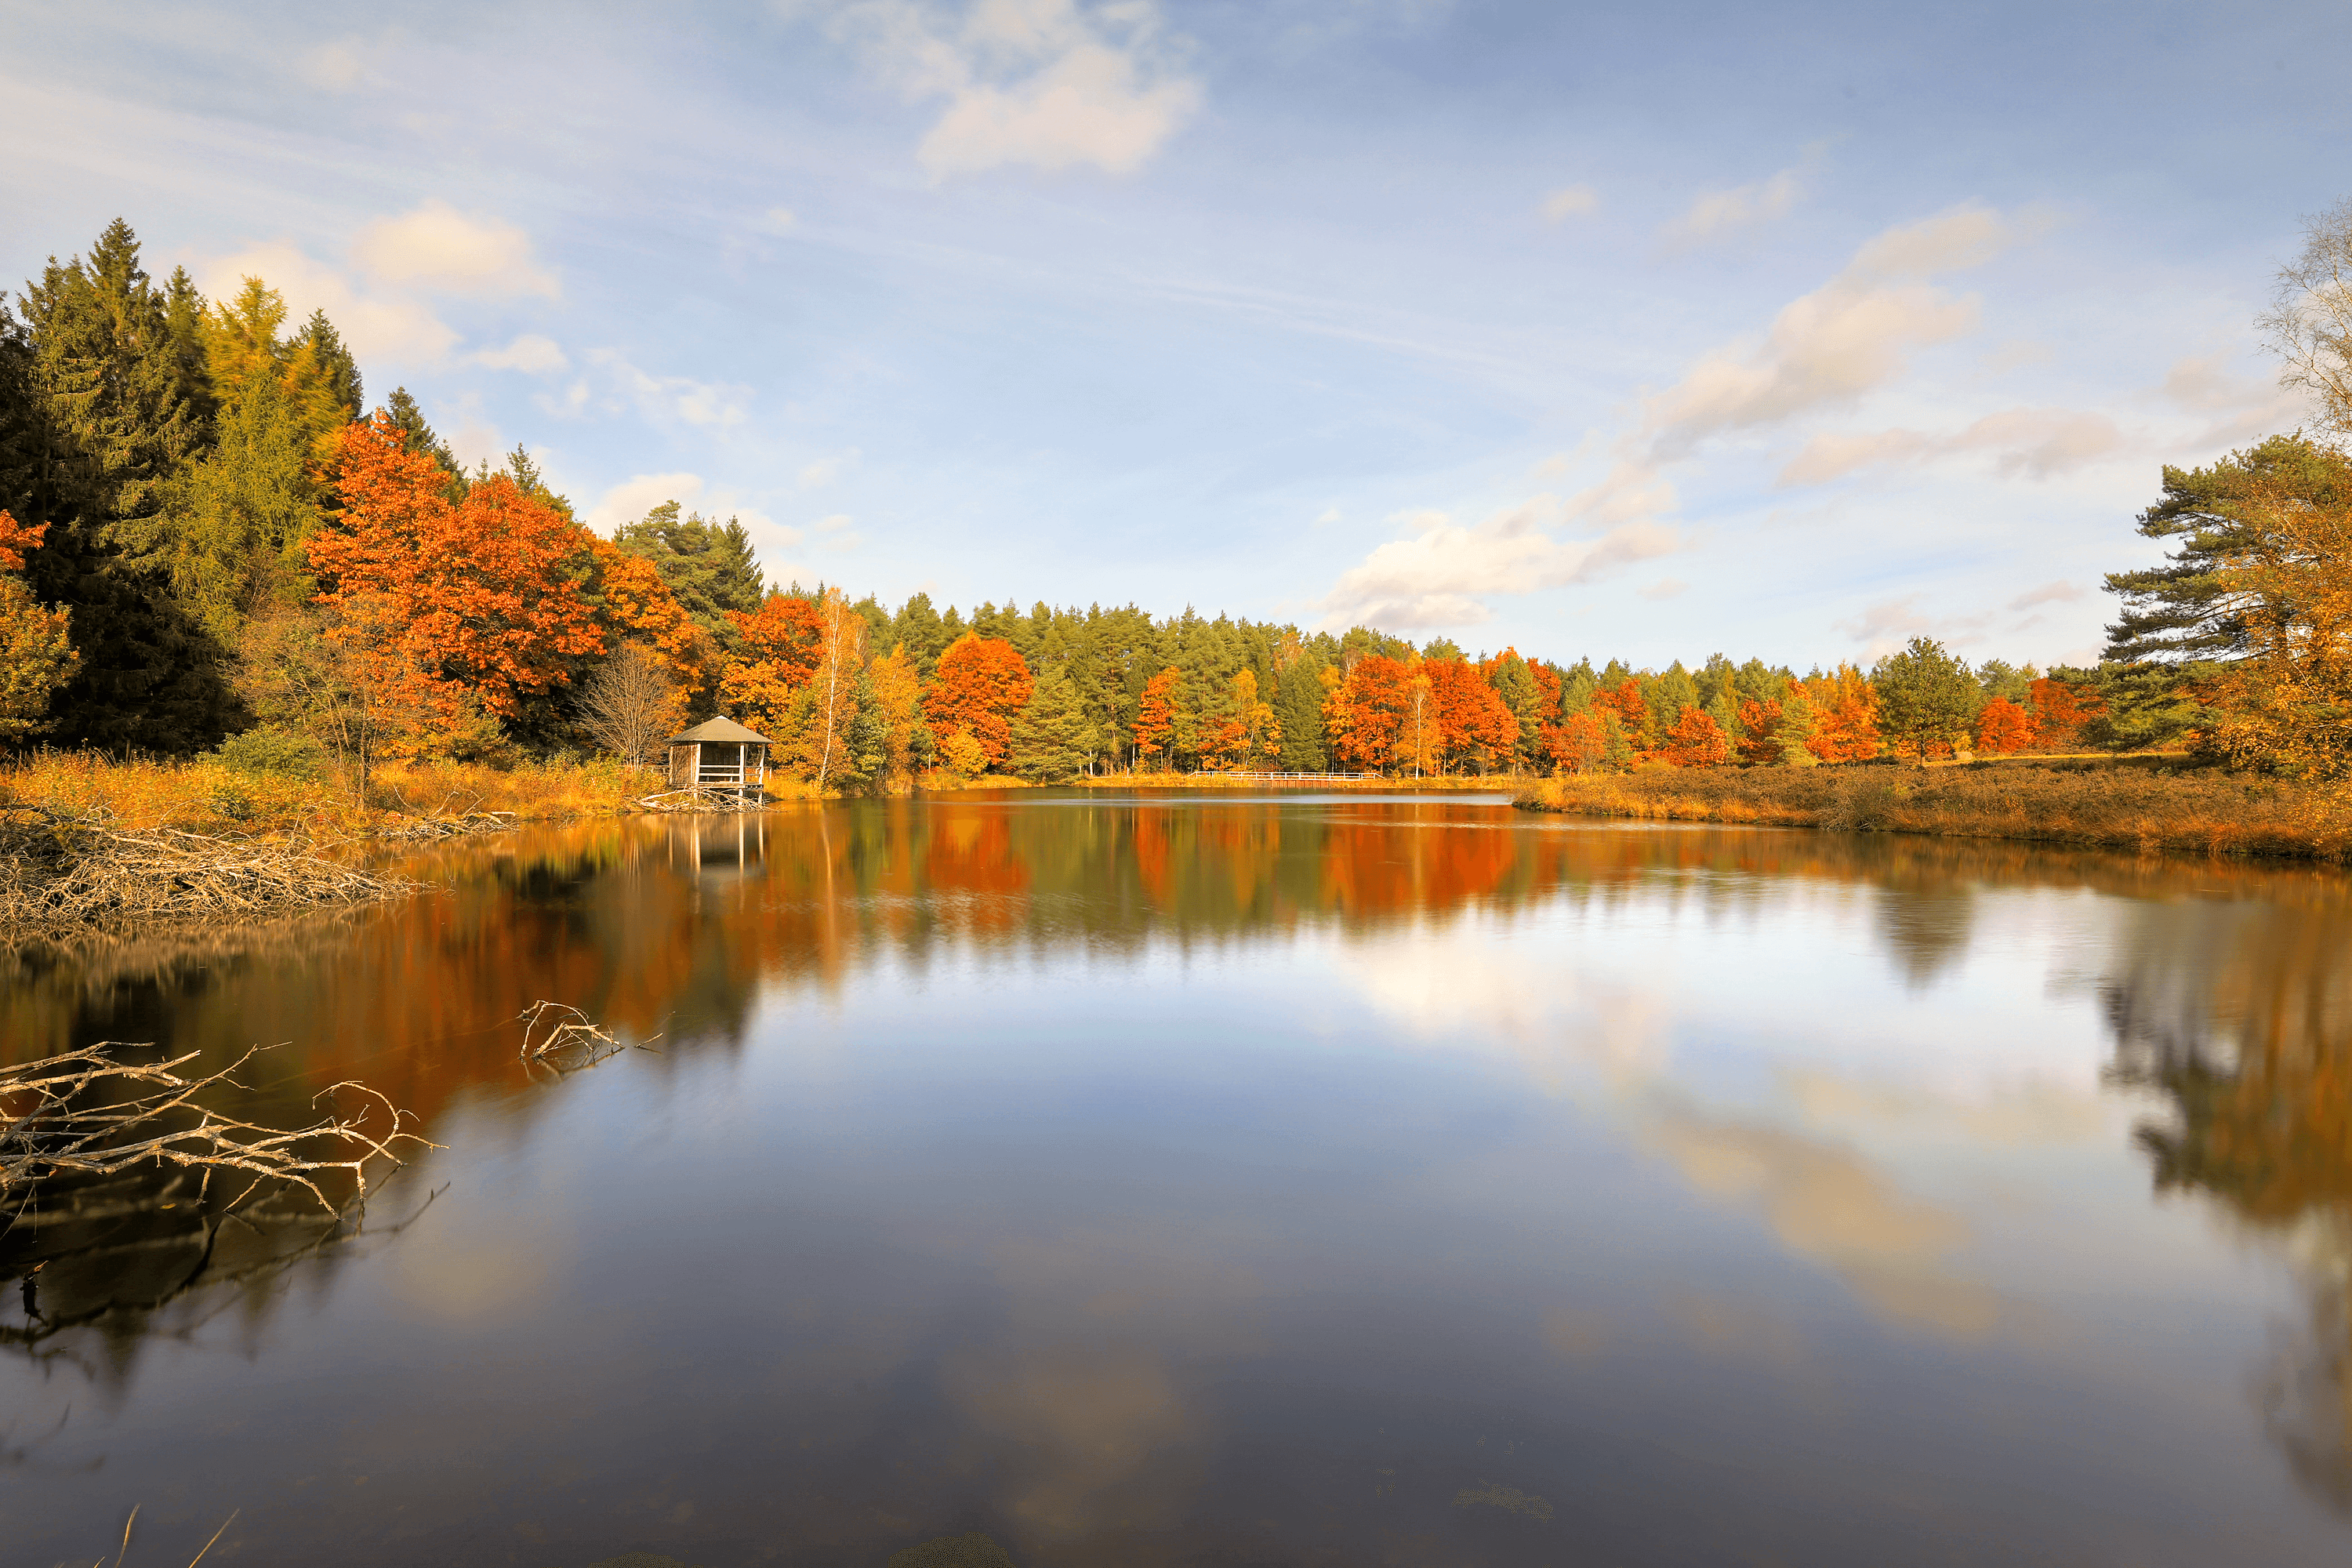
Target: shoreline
<point>2145,807</point>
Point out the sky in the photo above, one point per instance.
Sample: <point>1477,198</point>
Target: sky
<point>1642,332</point>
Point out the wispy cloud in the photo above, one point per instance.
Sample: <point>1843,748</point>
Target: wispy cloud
<point>2024,442</point>
<point>1441,575</point>
<point>1717,216</point>
<point>1570,201</point>
<point>530,354</point>
<point>1049,83</point>
<point>433,246</point>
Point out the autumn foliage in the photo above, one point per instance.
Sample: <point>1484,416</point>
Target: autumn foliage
<point>982,683</point>
<point>481,595</point>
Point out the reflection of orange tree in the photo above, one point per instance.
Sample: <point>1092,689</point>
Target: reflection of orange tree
<point>2257,1059</point>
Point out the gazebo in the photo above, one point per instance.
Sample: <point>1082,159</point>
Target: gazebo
<point>719,754</point>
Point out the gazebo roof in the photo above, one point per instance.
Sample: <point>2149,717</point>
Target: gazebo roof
<point>722,729</point>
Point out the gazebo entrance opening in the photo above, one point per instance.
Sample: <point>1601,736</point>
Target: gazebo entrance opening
<point>719,754</point>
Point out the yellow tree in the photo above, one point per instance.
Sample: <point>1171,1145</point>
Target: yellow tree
<point>896,682</point>
<point>2288,703</point>
<point>826,706</point>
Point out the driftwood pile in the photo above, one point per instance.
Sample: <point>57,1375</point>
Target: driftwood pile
<point>61,869</point>
<point>700,798</point>
<point>431,829</point>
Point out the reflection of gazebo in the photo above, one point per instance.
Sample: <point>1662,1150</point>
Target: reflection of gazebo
<point>719,754</point>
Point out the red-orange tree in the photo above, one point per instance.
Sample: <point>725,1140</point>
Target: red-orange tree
<point>1695,741</point>
<point>1363,718</point>
<point>980,684</point>
<point>1847,730</point>
<point>1473,723</point>
<point>782,640</point>
<point>2003,727</point>
<point>2060,711</point>
<point>1576,743</point>
<point>486,593</point>
<point>1155,714</point>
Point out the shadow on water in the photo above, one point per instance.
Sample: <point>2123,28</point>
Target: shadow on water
<point>2227,990</point>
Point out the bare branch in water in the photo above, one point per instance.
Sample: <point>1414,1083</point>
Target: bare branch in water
<point>50,1128</point>
<point>570,1045</point>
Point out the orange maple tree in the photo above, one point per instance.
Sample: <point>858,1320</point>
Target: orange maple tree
<point>1577,742</point>
<point>1755,740</point>
<point>1847,731</point>
<point>1696,741</point>
<point>783,641</point>
<point>2060,711</point>
<point>2003,727</point>
<point>1363,717</point>
<point>484,593</point>
<point>1155,713</point>
<point>982,683</point>
<point>638,606</point>
<point>1473,723</point>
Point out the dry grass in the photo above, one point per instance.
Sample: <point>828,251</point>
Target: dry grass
<point>2145,803</point>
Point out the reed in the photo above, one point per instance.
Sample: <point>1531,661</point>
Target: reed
<point>2142,804</point>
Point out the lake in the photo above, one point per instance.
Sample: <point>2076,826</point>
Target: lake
<point>1182,1179</point>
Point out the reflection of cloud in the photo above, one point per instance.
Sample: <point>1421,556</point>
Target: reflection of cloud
<point>1081,1393</point>
<point>1460,988</point>
<point>2038,1112</point>
<point>1826,1204</point>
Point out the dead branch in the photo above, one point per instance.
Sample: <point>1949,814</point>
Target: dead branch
<point>569,1045</point>
<point>56,1119</point>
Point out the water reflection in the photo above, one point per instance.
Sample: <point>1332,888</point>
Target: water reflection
<point>1143,1179</point>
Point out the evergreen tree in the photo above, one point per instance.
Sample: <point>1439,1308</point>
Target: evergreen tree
<point>409,420</point>
<point>1927,698</point>
<point>918,629</point>
<point>710,566</point>
<point>100,402</point>
<point>2182,610</point>
<point>1052,740</point>
<point>1299,709</point>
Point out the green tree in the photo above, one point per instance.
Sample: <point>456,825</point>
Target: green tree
<point>1927,698</point>
<point>1052,740</point>
<point>2182,611</point>
<point>1299,709</point>
<point>710,566</point>
<point>97,416</point>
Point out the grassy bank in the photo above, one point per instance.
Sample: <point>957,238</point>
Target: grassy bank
<point>205,796</point>
<point>2132,803</point>
<point>1493,784</point>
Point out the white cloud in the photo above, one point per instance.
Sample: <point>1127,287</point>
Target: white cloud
<point>530,354</point>
<point>2048,594</point>
<point>1664,588</point>
<point>778,219</point>
<point>662,398</point>
<point>1718,215</point>
<point>825,470</point>
<point>1887,625</point>
<point>2033,443</point>
<point>632,499</point>
<point>438,246</point>
<point>832,524</point>
<point>1436,577</point>
<point>337,66</point>
<point>1570,201</point>
<point>1329,514</point>
<point>1048,83</point>
<point>475,440</point>
<point>1828,347</point>
<point>378,328</point>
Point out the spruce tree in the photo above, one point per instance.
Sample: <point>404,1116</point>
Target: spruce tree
<point>103,405</point>
<point>1299,709</point>
<point>710,567</point>
<point>1052,740</point>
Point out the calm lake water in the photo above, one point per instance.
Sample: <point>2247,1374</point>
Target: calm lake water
<point>1169,1180</point>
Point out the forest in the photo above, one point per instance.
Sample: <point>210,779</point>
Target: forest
<point>211,542</point>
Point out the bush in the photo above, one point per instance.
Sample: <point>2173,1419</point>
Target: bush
<point>269,750</point>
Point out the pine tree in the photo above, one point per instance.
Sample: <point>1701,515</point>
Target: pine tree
<point>710,566</point>
<point>100,401</point>
<point>1298,708</point>
<point>1052,740</point>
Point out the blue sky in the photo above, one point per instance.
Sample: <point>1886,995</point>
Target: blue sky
<point>1644,330</point>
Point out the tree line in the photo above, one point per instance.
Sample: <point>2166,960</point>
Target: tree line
<point>207,540</point>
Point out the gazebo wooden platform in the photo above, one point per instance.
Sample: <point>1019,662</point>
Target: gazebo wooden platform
<point>719,754</point>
